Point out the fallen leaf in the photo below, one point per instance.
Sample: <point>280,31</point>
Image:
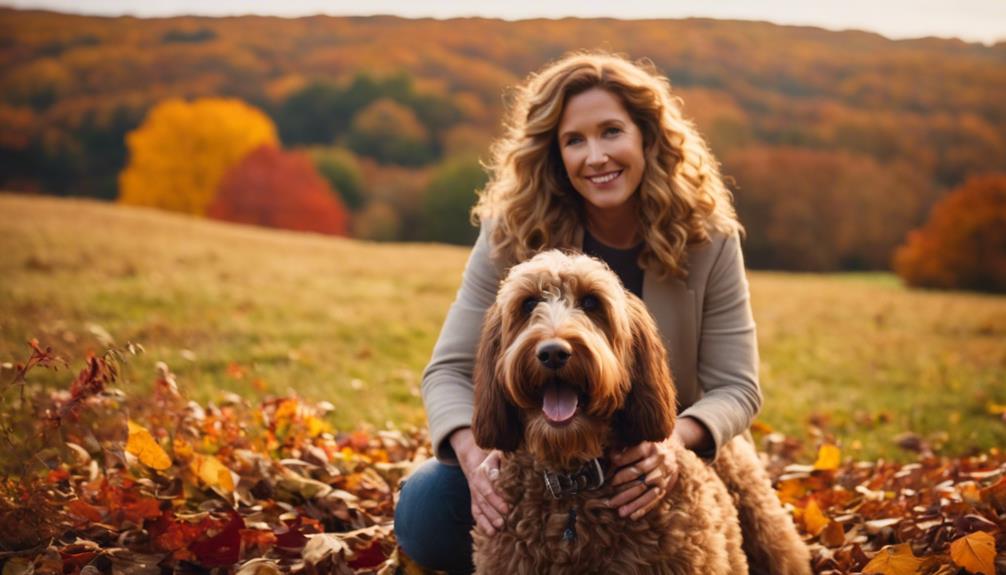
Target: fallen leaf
<point>141,444</point>
<point>212,472</point>
<point>814,520</point>
<point>893,560</point>
<point>224,548</point>
<point>975,552</point>
<point>829,457</point>
<point>833,535</point>
<point>258,566</point>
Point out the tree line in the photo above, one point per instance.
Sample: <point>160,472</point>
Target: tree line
<point>837,144</point>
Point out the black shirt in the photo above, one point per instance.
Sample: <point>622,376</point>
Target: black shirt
<point>624,262</point>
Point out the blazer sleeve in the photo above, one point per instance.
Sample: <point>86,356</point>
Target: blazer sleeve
<point>728,350</point>
<point>447,387</point>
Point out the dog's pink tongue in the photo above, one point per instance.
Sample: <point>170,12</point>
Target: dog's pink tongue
<point>559,402</point>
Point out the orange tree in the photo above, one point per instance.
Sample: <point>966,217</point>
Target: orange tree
<point>963,245</point>
<point>270,187</point>
<point>181,151</point>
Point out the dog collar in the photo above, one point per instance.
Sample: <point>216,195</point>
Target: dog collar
<point>590,476</point>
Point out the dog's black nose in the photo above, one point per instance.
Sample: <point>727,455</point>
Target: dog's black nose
<point>553,355</point>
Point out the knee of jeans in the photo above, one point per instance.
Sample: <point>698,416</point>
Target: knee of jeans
<point>427,523</point>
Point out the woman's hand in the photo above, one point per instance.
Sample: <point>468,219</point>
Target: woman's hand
<point>647,471</point>
<point>481,469</point>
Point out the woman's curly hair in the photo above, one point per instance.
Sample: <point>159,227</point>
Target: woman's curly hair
<point>532,204</point>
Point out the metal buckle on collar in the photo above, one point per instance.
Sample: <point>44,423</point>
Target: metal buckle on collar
<point>589,477</point>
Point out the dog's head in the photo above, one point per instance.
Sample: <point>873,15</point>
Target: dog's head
<point>568,362</point>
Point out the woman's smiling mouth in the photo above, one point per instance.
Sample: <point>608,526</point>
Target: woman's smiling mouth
<point>603,178</point>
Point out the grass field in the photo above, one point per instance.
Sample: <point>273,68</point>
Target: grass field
<point>257,312</point>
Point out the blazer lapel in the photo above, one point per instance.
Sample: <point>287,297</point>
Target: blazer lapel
<point>672,306</point>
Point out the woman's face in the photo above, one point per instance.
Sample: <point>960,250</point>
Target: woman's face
<point>602,149</point>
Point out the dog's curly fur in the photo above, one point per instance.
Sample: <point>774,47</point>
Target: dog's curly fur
<point>617,366</point>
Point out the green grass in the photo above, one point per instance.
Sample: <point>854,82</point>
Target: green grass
<point>353,323</point>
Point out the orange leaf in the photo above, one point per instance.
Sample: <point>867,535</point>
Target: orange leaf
<point>84,509</point>
<point>975,552</point>
<point>829,457</point>
<point>142,445</point>
<point>833,535</point>
<point>995,495</point>
<point>893,560</point>
<point>813,518</point>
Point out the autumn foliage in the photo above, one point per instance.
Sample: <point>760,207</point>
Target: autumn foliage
<point>279,189</point>
<point>179,154</point>
<point>963,245</point>
<point>895,123</point>
<point>161,483</point>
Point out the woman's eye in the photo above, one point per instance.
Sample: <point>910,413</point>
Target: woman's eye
<point>589,302</point>
<point>528,305</point>
<point>612,131</point>
<point>573,140</point>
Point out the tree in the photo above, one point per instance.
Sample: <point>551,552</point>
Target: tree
<point>963,245</point>
<point>279,189</point>
<point>342,170</point>
<point>390,133</point>
<point>182,150</point>
<point>815,210</point>
<point>448,201</point>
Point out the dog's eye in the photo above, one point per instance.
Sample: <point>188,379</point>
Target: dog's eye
<point>589,302</point>
<point>528,305</point>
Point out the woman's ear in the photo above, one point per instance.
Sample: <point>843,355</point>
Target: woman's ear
<point>496,423</point>
<point>650,410</point>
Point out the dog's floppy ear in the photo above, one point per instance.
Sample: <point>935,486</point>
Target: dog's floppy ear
<point>496,424</point>
<point>650,409</point>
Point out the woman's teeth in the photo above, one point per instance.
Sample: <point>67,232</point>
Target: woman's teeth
<point>605,178</point>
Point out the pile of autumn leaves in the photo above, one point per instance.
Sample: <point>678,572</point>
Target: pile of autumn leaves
<point>136,486</point>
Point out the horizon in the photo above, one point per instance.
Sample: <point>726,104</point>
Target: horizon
<point>981,21</point>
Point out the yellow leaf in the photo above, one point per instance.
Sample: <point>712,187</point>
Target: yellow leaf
<point>813,518</point>
<point>829,457</point>
<point>975,552</point>
<point>316,427</point>
<point>182,448</point>
<point>212,472</point>
<point>142,445</point>
<point>893,560</point>
<point>996,408</point>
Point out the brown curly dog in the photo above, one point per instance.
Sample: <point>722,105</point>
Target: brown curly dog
<point>569,365</point>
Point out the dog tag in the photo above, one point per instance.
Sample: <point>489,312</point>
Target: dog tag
<point>570,533</point>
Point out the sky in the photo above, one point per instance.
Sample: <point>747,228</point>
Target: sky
<point>971,20</point>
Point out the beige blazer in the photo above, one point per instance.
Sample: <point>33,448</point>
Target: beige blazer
<point>705,321</point>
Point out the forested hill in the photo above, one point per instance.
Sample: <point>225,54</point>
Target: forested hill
<point>893,124</point>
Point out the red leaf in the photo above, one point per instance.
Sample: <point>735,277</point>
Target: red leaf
<point>369,558</point>
<point>224,548</point>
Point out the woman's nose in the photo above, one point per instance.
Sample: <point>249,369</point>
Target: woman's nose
<point>596,155</point>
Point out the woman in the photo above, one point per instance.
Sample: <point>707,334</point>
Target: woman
<point>597,157</point>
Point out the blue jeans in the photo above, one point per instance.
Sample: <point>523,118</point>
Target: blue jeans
<point>433,519</point>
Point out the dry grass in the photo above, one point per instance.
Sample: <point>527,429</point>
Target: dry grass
<point>257,311</point>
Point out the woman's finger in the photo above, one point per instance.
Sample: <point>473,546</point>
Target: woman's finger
<point>642,505</point>
<point>631,454</point>
<point>482,523</point>
<point>643,467</point>
<point>488,511</point>
<point>656,478</point>
<point>628,494</point>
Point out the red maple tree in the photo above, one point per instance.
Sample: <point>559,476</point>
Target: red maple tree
<point>279,189</point>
